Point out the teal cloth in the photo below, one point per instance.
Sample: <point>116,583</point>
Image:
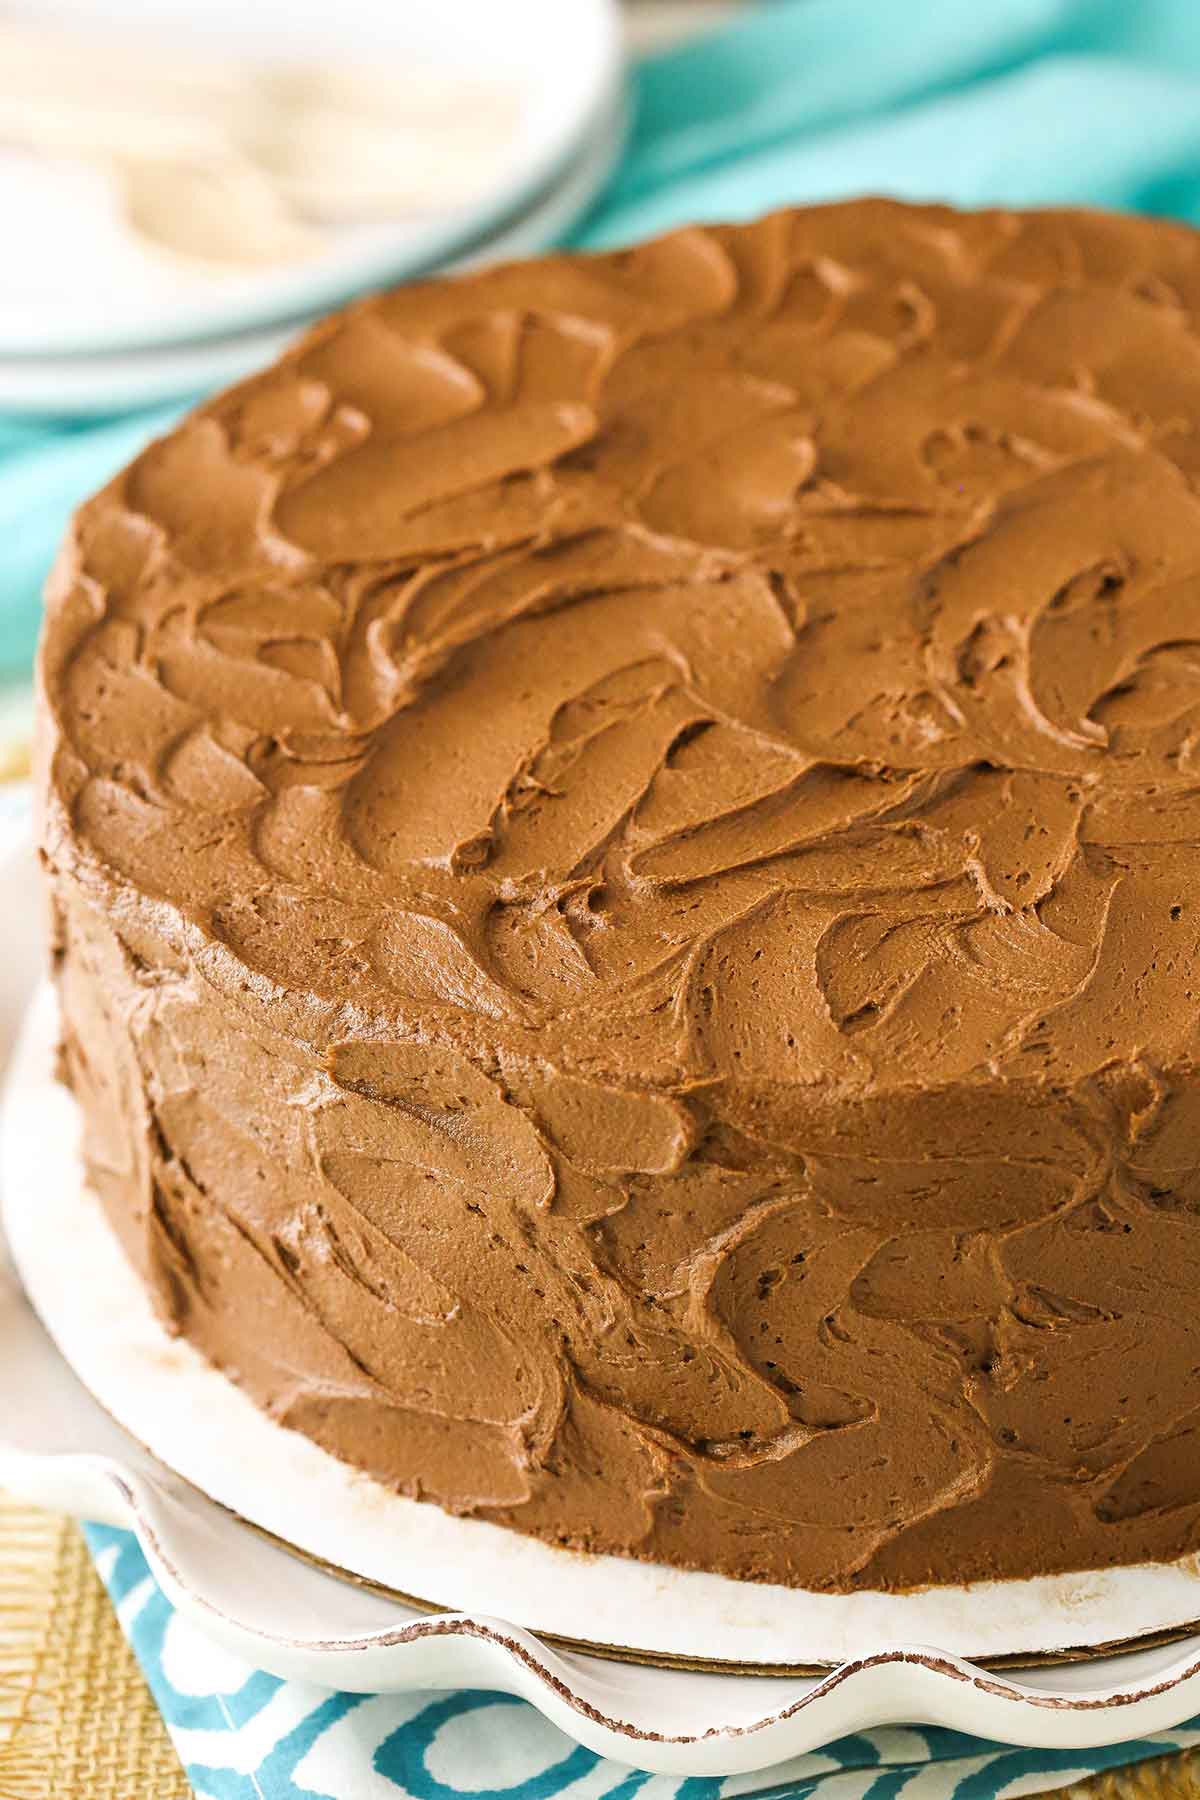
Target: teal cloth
<point>1016,102</point>
<point>44,473</point>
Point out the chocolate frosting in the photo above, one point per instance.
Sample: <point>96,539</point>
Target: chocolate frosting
<point>625,835</point>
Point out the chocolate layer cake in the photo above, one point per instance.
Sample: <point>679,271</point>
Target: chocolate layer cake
<point>625,843</point>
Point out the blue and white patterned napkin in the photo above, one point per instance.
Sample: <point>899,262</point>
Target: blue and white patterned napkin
<point>244,1735</point>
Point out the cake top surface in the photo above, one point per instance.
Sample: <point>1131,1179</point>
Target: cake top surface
<point>763,661</point>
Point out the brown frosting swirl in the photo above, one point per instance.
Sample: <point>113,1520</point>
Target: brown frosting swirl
<point>626,840</point>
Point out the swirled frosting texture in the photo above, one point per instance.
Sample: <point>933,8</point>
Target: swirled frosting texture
<point>626,841</point>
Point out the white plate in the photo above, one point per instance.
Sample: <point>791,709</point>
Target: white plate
<point>59,1448</point>
<point>563,57</point>
<point>120,380</point>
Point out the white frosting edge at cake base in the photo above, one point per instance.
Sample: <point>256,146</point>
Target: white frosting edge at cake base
<point>202,1427</point>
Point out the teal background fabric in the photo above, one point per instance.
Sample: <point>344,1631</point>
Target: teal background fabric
<point>975,101</point>
<point>44,473</point>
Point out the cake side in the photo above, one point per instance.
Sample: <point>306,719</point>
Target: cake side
<point>625,837</point>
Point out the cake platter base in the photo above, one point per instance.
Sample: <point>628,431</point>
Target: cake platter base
<point>215,1463</point>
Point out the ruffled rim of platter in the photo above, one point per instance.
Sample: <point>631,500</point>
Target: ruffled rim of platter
<point>196,1423</point>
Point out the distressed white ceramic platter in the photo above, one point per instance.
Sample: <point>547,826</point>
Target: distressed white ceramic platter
<point>58,1446</point>
<point>119,380</point>
<point>561,61</point>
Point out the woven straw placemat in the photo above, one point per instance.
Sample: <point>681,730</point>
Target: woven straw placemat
<point>76,1718</point>
<point>77,1721</point>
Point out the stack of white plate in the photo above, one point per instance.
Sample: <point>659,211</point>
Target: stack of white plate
<point>524,103</point>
